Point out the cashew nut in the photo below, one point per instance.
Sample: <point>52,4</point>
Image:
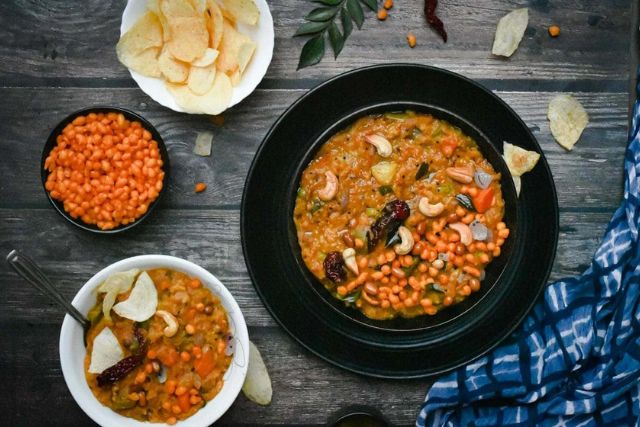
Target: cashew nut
<point>464,231</point>
<point>405,246</point>
<point>368,299</point>
<point>383,146</point>
<point>370,289</point>
<point>428,209</point>
<point>461,174</point>
<point>331,187</point>
<point>349,256</point>
<point>172,324</point>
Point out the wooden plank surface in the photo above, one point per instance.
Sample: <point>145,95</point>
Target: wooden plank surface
<point>599,152</point>
<point>45,42</point>
<point>58,56</point>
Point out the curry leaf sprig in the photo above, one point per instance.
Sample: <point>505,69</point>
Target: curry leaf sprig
<point>321,21</point>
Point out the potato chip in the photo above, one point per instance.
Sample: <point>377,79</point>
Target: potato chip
<point>567,120</point>
<point>235,78</point>
<point>142,301</point>
<point>215,101</point>
<point>232,43</point>
<point>244,11</point>
<point>517,182</point>
<point>189,38</point>
<point>519,160</point>
<point>106,351</point>
<point>257,384</point>
<point>208,58</point>
<point>510,31</point>
<point>173,70</point>
<point>201,79</point>
<point>202,147</point>
<point>166,31</point>
<point>116,283</point>
<point>145,33</point>
<point>215,24</point>
<point>188,32</point>
<point>154,6</point>
<point>145,63</point>
<point>245,53</point>
<point>199,5</point>
<point>177,9</point>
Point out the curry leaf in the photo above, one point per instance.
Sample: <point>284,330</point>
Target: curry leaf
<point>321,14</point>
<point>336,39</point>
<point>310,28</point>
<point>312,51</point>
<point>422,171</point>
<point>347,25</point>
<point>355,10</point>
<point>371,4</point>
<point>323,20</point>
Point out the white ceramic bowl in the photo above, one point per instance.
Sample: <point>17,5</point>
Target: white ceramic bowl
<point>261,34</point>
<point>72,350</point>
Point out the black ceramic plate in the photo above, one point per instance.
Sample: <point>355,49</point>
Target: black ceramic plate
<point>130,115</point>
<point>401,348</point>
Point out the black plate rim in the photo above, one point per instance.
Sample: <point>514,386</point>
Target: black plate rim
<point>507,331</point>
<point>50,144</point>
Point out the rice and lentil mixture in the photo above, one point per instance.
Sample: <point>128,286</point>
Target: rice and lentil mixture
<point>399,215</point>
<point>171,375</point>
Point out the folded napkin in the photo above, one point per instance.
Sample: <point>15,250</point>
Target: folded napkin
<point>575,360</point>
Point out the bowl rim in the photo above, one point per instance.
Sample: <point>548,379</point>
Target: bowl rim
<point>50,143</point>
<point>104,415</point>
<point>373,372</point>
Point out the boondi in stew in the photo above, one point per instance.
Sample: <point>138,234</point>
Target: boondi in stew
<point>399,215</point>
<point>175,360</point>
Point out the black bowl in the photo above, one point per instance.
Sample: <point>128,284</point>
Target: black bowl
<point>510,251</point>
<point>130,115</point>
<point>399,348</point>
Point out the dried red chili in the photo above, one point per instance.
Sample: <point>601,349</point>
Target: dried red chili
<point>433,20</point>
<point>122,368</point>
<point>392,216</point>
<point>119,370</point>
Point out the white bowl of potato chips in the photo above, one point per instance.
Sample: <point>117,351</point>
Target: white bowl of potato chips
<point>196,56</point>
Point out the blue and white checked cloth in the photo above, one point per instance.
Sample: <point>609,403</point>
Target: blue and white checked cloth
<point>575,360</point>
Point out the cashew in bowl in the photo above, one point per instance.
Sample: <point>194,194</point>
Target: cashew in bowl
<point>406,244</point>
<point>428,209</point>
<point>331,187</point>
<point>383,146</point>
<point>466,237</point>
<point>461,174</point>
<point>349,256</point>
<point>172,323</point>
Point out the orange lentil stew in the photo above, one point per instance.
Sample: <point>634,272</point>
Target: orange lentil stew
<point>173,376</point>
<point>399,214</point>
<point>105,169</point>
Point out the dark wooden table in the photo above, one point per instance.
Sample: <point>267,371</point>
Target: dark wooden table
<point>58,56</point>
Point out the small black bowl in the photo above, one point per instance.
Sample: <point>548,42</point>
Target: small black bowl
<point>130,115</point>
<point>358,416</point>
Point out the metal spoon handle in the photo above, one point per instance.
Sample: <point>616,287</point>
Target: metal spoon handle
<point>29,271</point>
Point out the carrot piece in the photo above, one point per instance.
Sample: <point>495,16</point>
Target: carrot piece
<point>205,364</point>
<point>183,402</point>
<point>448,146</point>
<point>483,200</point>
